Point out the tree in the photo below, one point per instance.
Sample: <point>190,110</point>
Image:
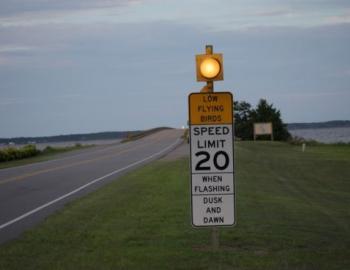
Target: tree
<point>265,112</point>
<point>245,117</point>
<point>243,123</point>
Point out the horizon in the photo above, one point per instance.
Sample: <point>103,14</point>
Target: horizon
<point>73,67</point>
<point>135,130</point>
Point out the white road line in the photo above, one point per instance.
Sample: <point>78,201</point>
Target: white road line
<point>2,226</point>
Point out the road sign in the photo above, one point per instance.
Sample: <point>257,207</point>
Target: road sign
<point>212,163</point>
<point>263,129</point>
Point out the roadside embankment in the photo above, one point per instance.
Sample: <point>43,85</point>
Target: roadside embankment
<point>292,213</point>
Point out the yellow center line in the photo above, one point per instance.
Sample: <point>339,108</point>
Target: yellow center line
<point>26,175</point>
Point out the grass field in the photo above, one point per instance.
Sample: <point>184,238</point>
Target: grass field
<point>292,213</point>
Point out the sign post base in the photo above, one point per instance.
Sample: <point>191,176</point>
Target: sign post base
<point>215,238</point>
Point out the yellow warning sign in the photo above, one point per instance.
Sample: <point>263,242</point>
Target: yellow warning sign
<point>211,108</point>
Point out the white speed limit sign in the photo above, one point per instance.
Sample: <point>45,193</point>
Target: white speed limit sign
<point>212,163</point>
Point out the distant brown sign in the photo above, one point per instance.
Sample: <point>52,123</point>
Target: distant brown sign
<point>263,129</point>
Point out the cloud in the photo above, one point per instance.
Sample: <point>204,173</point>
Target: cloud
<point>19,13</point>
<point>21,53</point>
<point>9,54</point>
<point>339,19</point>
<point>15,49</point>
<point>228,15</point>
<point>15,7</point>
<point>273,12</point>
<point>10,101</point>
<point>309,95</point>
<point>16,101</point>
<point>341,73</point>
<point>83,16</point>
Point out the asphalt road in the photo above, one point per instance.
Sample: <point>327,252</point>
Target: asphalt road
<point>28,194</point>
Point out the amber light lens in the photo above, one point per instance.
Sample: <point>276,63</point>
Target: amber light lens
<point>210,68</point>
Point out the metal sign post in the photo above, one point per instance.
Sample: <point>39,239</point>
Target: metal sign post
<point>211,142</point>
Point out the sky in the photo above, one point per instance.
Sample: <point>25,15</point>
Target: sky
<point>81,66</point>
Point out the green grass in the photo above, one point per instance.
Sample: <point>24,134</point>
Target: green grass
<point>292,213</point>
<point>47,154</point>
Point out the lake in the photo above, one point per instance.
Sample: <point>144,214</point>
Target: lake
<point>325,135</point>
<point>41,146</point>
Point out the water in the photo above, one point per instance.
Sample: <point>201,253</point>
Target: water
<point>41,146</point>
<point>325,135</point>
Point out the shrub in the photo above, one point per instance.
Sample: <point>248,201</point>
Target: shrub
<point>295,140</point>
<point>48,149</point>
<point>29,151</point>
<point>12,153</point>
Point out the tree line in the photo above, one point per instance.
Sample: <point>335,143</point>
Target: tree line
<point>246,116</point>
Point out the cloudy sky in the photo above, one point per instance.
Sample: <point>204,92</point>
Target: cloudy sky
<point>74,66</point>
